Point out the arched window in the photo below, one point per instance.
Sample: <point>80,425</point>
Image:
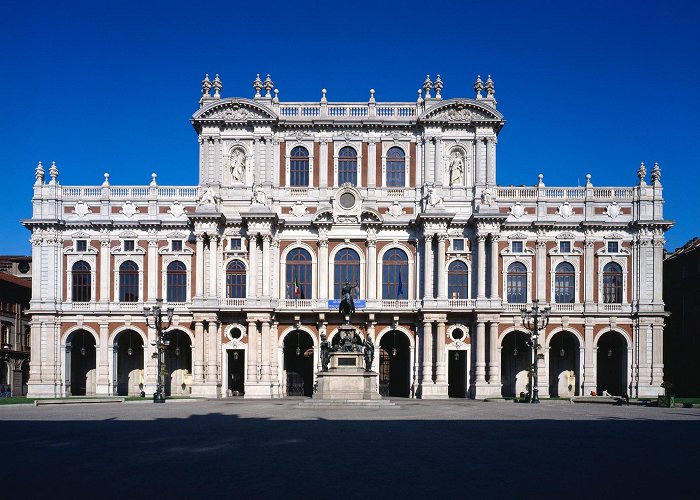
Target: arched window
<point>176,282</point>
<point>564,284</point>
<point>81,282</point>
<point>346,268</point>
<point>347,166</point>
<point>128,282</point>
<point>395,168</point>
<point>299,167</point>
<point>235,280</point>
<point>458,280</point>
<point>612,283</point>
<point>517,283</point>
<point>395,275</point>
<point>299,278</point>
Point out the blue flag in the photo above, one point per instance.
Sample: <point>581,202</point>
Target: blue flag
<point>399,289</point>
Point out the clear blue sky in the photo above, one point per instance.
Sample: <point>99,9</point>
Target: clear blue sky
<point>586,87</point>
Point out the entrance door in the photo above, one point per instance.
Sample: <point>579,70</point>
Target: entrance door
<point>299,363</point>
<point>457,374</point>
<point>395,365</point>
<point>236,365</point>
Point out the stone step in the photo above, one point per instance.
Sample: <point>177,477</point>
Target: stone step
<point>75,401</point>
<point>349,403</point>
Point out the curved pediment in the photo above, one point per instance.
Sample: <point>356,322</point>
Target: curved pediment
<point>460,111</point>
<point>234,111</point>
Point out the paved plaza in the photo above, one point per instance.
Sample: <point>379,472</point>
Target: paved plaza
<point>273,449</point>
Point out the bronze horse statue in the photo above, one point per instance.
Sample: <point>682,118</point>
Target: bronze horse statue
<point>347,304</point>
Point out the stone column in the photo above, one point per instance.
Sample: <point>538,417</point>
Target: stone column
<point>213,247</point>
<point>275,267</point>
<point>265,369</point>
<point>541,270</point>
<point>103,385</point>
<point>438,161</point>
<point>494,361</point>
<point>212,343</point>
<point>427,375</point>
<point>441,368</point>
<point>372,163</point>
<point>428,269</point>
<point>198,373</point>
<point>481,265</point>
<point>252,352</point>
<point>323,164</point>
<point>491,161</point>
<point>643,330</point>
<point>415,383</point>
<point>269,161</point>
<point>589,381</point>
<point>657,359</point>
<point>480,163</point>
<point>442,268</point>
<point>658,271</point>
<point>274,364</point>
<point>480,364</point>
<point>199,264</point>
<point>371,292</point>
<point>37,268</point>
<point>588,270</point>
<point>323,268</point>
<point>494,266</point>
<point>104,271</point>
<point>252,264</point>
<point>266,265</point>
<point>153,271</point>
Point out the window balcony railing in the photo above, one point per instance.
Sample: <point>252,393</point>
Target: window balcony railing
<point>297,303</point>
<point>397,304</point>
<point>79,306</point>
<point>231,302</point>
<point>610,307</point>
<point>515,307</point>
<point>463,303</point>
<point>563,307</point>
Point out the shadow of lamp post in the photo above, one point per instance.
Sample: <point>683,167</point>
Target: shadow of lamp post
<point>534,319</point>
<point>157,322</point>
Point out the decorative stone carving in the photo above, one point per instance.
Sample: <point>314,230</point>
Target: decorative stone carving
<point>434,200</point>
<point>488,197</point>
<point>81,209</point>
<point>176,209</point>
<point>612,210</point>
<point>395,210</point>
<point>129,209</point>
<point>299,210</point>
<point>259,196</point>
<point>456,168</point>
<point>565,210</point>
<point>517,210</point>
<point>208,198</point>
<point>237,164</point>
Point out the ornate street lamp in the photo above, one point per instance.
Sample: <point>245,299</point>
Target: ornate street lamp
<point>157,322</point>
<point>534,320</point>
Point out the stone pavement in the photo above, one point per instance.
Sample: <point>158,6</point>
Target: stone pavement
<point>274,449</point>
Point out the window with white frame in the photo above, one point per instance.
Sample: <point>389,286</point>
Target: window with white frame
<point>129,245</point>
<point>235,244</point>
<point>81,245</point>
<point>176,245</point>
<point>517,246</point>
<point>458,244</point>
<point>613,246</point>
<point>564,247</point>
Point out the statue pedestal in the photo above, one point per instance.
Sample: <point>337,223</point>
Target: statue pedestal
<point>346,378</point>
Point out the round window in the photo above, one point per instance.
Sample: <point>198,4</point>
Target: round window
<point>23,267</point>
<point>457,334</point>
<point>236,333</point>
<point>347,200</point>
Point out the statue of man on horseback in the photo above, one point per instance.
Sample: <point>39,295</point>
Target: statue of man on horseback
<point>347,304</point>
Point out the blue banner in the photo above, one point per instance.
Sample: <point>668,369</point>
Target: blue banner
<point>335,304</point>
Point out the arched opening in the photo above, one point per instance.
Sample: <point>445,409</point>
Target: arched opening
<point>457,368</point>
<point>299,167</point>
<point>395,365</point>
<point>299,274</point>
<point>81,358</point>
<point>178,364</point>
<point>346,268</point>
<point>347,166</point>
<point>515,364</point>
<point>564,360</point>
<point>611,364</point>
<point>299,364</point>
<point>128,358</point>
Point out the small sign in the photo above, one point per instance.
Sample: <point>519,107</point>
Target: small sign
<point>346,362</point>
<point>335,304</point>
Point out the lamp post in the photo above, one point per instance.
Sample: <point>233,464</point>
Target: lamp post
<point>534,319</point>
<point>157,322</point>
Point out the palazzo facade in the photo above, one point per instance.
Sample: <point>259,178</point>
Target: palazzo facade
<point>294,199</point>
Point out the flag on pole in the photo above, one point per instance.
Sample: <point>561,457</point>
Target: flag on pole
<point>296,285</point>
<point>399,289</point>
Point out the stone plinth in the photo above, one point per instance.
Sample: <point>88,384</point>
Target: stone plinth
<point>346,379</point>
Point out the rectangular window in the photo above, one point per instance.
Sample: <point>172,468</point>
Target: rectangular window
<point>613,247</point>
<point>128,245</point>
<point>81,246</point>
<point>235,244</point>
<point>564,246</point>
<point>516,246</point>
<point>176,245</point>
<point>458,244</point>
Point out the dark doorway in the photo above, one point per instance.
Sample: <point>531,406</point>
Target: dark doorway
<point>611,362</point>
<point>81,356</point>
<point>395,365</point>
<point>129,362</point>
<point>457,374</point>
<point>236,367</point>
<point>178,363</point>
<point>564,365</point>
<point>299,363</point>
<point>515,364</point>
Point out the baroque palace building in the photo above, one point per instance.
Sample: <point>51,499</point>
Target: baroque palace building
<point>294,199</point>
